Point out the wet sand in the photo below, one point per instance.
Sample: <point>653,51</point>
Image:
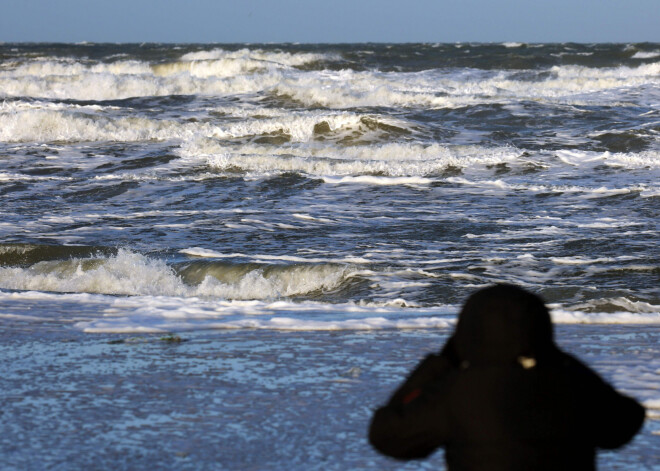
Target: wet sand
<point>248,399</point>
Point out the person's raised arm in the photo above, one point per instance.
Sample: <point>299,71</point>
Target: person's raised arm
<point>413,424</point>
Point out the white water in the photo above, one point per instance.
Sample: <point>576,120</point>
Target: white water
<point>156,314</point>
<point>219,72</point>
<point>255,115</point>
<point>129,273</point>
<point>159,300</point>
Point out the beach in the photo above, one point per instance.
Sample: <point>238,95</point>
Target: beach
<point>225,256</point>
<point>250,399</point>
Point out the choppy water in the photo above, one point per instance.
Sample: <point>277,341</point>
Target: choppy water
<point>169,188</point>
<point>330,180</point>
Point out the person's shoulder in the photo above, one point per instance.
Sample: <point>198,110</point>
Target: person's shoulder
<point>566,369</point>
<point>589,383</point>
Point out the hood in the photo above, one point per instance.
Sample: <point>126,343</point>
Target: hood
<point>503,324</point>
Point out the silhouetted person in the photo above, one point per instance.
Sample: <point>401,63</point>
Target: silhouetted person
<point>502,396</point>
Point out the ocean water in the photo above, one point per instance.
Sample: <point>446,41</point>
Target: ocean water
<point>307,220</point>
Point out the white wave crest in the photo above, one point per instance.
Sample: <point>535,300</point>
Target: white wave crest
<point>222,63</point>
<point>622,317</point>
<point>84,83</point>
<point>133,274</point>
<point>64,67</point>
<point>203,72</point>
<point>49,126</point>
<point>299,127</point>
<point>379,181</point>
<point>395,160</point>
<point>646,55</point>
<point>207,253</point>
<point>286,58</point>
<point>219,72</point>
<point>127,273</point>
<point>587,159</point>
<point>295,281</point>
<point>73,124</point>
<point>617,304</point>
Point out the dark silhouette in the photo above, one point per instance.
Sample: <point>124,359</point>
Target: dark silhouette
<point>502,396</point>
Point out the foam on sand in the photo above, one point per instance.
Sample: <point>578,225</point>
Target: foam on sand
<point>102,313</point>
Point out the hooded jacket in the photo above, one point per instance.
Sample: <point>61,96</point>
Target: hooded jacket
<point>502,396</point>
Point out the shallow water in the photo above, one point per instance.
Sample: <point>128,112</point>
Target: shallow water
<point>249,399</point>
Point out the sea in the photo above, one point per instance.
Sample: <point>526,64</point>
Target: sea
<point>225,256</point>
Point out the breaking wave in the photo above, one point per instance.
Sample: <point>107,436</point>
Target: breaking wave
<point>270,73</point>
<point>129,273</point>
<point>30,124</point>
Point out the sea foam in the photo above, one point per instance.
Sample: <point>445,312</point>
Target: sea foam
<point>223,73</point>
<point>144,314</point>
<point>129,273</point>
